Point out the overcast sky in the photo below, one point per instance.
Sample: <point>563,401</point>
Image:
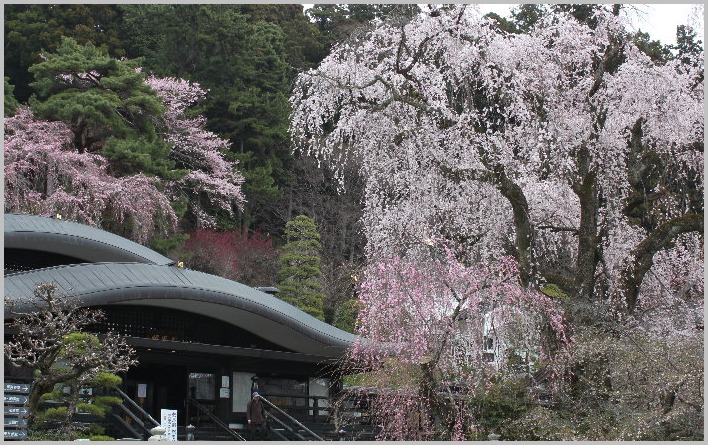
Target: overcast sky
<point>659,20</point>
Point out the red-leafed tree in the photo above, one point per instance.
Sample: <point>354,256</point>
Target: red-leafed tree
<point>565,147</point>
<point>236,254</point>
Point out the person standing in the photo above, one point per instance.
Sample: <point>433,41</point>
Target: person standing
<point>256,415</point>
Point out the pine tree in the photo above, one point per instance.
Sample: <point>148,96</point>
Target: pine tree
<point>300,273</point>
<point>51,341</point>
<point>87,394</point>
<point>11,103</point>
<point>107,105</point>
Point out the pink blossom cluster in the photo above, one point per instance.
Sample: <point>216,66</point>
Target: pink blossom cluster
<point>44,175</point>
<point>460,132</point>
<point>211,178</point>
<point>433,313</point>
<point>401,102</point>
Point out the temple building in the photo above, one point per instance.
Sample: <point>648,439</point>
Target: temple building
<point>203,342</point>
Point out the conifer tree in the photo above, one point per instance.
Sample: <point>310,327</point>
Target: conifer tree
<point>107,105</point>
<point>299,276</point>
<point>87,394</point>
<point>11,103</point>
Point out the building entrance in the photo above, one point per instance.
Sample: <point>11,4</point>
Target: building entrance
<point>155,387</point>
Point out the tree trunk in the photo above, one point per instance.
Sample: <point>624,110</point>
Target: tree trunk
<point>79,131</point>
<point>39,387</point>
<point>587,258</point>
<point>525,236</point>
<point>73,400</point>
<point>587,189</point>
<point>641,259</point>
<point>523,226</point>
<point>33,402</point>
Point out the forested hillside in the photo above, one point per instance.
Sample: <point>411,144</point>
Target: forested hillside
<point>514,204</point>
<point>177,118</point>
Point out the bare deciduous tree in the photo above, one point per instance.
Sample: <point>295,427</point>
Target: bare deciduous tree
<point>40,337</point>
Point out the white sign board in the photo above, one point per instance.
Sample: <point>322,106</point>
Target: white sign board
<point>241,391</point>
<point>142,389</point>
<point>168,420</point>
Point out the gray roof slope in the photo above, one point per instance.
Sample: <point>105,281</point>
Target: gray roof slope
<point>189,290</point>
<point>73,239</point>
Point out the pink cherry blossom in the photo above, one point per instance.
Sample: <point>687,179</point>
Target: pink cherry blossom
<point>44,175</point>
<point>495,143</point>
<point>198,150</point>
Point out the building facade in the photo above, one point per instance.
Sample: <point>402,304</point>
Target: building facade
<point>197,336</point>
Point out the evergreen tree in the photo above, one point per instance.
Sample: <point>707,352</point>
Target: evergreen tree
<point>304,44</point>
<point>33,29</point>
<point>346,314</point>
<point>50,339</point>
<point>688,46</point>
<point>240,56</point>
<point>502,23</point>
<point>338,21</point>
<point>300,273</point>
<point>9,98</point>
<point>652,48</point>
<point>107,105</point>
<point>526,16</point>
<point>84,394</point>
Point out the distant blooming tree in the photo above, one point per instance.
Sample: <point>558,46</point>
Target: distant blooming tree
<point>565,147</point>
<point>212,183</point>
<point>105,146</point>
<point>45,175</point>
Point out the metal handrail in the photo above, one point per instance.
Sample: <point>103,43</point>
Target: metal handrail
<point>135,419</point>
<point>216,420</point>
<point>125,424</point>
<point>292,419</point>
<point>314,408</point>
<point>279,434</point>
<point>136,406</point>
<point>284,425</point>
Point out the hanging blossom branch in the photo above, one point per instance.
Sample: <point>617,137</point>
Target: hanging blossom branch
<point>423,323</point>
<point>45,175</point>
<point>198,150</point>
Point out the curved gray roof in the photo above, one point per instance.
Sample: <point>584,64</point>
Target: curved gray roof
<point>76,240</point>
<point>188,290</point>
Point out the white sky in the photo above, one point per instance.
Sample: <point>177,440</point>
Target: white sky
<point>659,20</point>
